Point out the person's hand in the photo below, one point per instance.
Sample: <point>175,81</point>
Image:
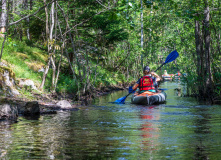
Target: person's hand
<point>153,73</point>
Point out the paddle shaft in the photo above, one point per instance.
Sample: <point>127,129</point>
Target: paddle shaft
<point>159,67</point>
<point>128,94</point>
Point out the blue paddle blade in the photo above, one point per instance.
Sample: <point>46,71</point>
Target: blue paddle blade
<point>172,56</point>
<point>162,89</point>
<point>131,90</point>
<point>120,100</point>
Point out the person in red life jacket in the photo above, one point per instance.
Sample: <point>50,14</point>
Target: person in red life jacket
<point>148,82</point>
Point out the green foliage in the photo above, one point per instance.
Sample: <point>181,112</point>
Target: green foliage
<point>66,84</point>
<point>19,56</point>
<point>107,40</point>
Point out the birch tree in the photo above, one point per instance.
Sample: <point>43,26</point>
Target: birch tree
<point>3,17</point>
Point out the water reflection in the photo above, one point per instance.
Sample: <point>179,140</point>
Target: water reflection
<point>202,130</point>
<point>179,129</point>
<point>149,128</point>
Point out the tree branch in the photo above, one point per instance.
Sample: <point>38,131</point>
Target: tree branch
<point>82,21</point>
<point>31,14</point>
<point>102,4</point>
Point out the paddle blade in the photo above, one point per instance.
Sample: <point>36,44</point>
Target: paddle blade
<point>162,89</point>
<point>172,56</point>
<point>131,90</point>
<point>120,100</point>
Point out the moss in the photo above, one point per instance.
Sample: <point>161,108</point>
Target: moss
<point>11,73</point>
<point>42,56</point>
<point>35,66</point>
<point>21,55</point>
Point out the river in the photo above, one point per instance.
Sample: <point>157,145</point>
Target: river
<point>179,129</point>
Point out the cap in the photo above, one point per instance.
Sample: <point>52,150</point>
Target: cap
<point>146,68</point>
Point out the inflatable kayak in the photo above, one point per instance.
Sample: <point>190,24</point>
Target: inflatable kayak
<point>148,98</point>
<point>167,77</point>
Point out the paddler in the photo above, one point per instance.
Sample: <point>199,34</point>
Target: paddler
<point>165,73</point>
<point>148,82</point>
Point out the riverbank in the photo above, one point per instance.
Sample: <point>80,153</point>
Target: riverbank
<point>49,103</point>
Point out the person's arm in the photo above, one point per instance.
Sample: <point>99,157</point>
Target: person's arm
<point>158,78</point>
<point>135,86</point>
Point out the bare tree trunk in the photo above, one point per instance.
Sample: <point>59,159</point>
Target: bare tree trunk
<point>59,65</point>
<point>46,16</point>
<point>199,52</point>
<point>3,17</point>
<point>45,73</point>
<point>208,77</point>
<point>27,20</point>
<point>49,37</point>
<point>72,42</point>
<point>52,18</point>
<point>141,41</point>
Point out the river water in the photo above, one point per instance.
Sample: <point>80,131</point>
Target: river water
<point>179,129</point>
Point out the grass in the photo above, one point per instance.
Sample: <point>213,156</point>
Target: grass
<point>25,61</point>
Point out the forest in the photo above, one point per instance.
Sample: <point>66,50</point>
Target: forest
<point>85,45</point>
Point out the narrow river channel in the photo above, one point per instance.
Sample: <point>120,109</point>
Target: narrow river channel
<point>179,129</point>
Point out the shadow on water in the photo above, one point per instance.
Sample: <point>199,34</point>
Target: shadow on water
<point>179,129</point>
<point>203,127</point>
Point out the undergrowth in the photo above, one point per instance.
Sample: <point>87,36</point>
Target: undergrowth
<point>25,61</point>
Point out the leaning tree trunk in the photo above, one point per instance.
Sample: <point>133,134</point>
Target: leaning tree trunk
<point>49,38</point>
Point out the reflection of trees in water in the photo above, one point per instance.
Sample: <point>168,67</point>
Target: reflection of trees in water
<point>5,138</point>
<point>178,91</point>
<point>202,130</point>
<point>33,137</point>
<point>149,128</point>
<point>66,135</point>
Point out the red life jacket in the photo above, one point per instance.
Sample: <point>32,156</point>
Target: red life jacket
<point>146,83</point>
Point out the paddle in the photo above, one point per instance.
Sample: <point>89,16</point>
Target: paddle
<point>162,89</point>
<point>171,57</point>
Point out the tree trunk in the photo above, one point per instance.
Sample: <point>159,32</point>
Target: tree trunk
<point>52,46</point>
<point>199,52</point>
<point>27,20</point>
<point>3,24</point>
<point>59,65</point>
<point>3,18</point>
<point>46,16</point>
<point>141,41</point>
<point>49,38</point>
<point>45,73</point>
<point>208,74</point>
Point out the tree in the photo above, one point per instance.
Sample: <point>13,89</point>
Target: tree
<point>3,17</point>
